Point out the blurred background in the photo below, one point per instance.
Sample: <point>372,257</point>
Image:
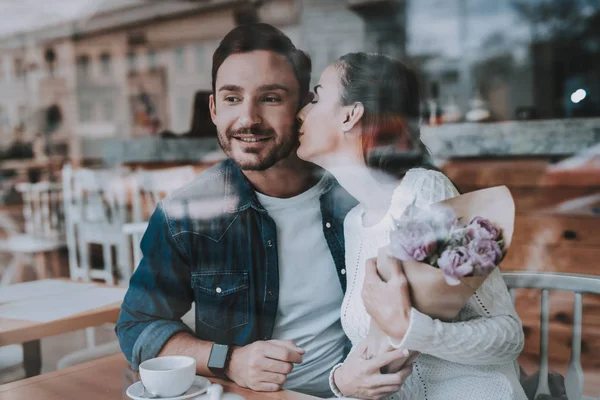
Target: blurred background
<point>115,92</point>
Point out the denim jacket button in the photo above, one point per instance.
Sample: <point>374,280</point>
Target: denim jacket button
<point>219,290</point>
<point>328,225</point>
<point>343,272</point>
<point>270,243</point>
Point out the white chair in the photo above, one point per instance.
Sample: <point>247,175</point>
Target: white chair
<point>148,187</point>
<point>44,234</point>
<point>44,231</point>
<point>151,186</point>
<point>8,260</point>
<point>109,193</point>
<point>96,210</point>
<point>546,281</point>
<point>135,231</point>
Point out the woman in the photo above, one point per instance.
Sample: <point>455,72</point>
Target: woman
<point>363,127</point>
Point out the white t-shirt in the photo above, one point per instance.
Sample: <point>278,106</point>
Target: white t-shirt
<point>310,294</point>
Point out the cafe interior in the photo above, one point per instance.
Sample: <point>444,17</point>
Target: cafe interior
<point>104,111</point>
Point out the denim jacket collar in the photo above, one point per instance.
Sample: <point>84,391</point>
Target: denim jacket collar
<point>237,187</point>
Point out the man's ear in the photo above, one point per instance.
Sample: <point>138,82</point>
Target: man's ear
<point>213,108</point>
<point>351,116</point>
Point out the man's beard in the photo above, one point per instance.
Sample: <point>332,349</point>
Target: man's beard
<point>272,156</point>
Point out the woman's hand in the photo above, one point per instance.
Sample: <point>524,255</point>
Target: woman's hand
<point>362,378</point>
<point>388,303</point>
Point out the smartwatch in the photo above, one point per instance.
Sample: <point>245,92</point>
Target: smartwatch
<point>218,359</point>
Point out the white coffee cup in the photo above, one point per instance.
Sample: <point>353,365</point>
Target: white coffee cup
<point>168,376</point>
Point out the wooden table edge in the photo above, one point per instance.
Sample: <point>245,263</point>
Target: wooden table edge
<point>54,374</point>
<point>36,331</point>
<point>281,395</point>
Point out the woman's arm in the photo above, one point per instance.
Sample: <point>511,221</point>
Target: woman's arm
<point>490,331</point>
<point>494,336</point>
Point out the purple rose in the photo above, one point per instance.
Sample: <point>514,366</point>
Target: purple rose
<point>455,263</point>
<point>413,240</point>
<point>485,254</point>
<point>483,228</point>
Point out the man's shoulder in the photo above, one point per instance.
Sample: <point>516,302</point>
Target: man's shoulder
<point>209,183</point>
<point>207,198</point>
<point>210,194</point>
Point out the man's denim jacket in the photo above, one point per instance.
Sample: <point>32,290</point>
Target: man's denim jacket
<point>212,243</point>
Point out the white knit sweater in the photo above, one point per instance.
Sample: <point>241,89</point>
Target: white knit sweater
<point>471,358</point>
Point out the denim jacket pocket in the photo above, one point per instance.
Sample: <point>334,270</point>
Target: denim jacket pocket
<point>221,298</point>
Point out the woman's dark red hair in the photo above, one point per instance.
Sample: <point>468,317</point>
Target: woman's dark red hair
<point>389,93</point>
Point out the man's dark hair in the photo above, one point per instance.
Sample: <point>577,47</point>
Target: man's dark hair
<point>260,36</point>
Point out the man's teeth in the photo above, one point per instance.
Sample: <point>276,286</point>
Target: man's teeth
<point>251,140</point>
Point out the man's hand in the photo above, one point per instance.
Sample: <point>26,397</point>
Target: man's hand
<point>363,379</point>
<point>263,366</point>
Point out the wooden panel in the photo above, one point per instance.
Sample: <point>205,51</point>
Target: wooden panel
<point>571,259</point>
<point>485,173</point>
<point>556,230</point>
<point>517,172</point>
<point>532,199</point>
<point>531,183</point>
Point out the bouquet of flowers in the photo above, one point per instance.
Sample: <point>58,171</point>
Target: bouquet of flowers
<point>449,249</point>
<point>438,238</point>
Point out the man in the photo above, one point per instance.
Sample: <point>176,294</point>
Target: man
<point>266,269</point>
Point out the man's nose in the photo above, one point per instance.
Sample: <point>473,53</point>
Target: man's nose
<point>250,115</point>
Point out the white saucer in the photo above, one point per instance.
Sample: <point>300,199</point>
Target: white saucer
<point>200,385</point>
<point>224,396</point>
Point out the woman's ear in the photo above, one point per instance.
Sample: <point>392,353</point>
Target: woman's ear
<point>352,116</point>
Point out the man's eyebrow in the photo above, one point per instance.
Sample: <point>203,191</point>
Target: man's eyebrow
<point>231,88</point>
<point>273,86</point>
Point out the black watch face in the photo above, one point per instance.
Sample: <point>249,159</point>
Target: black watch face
<point>218,356</point>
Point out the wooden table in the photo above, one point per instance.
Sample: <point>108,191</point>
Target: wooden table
<point>29,332</point>
<point>107,378</point>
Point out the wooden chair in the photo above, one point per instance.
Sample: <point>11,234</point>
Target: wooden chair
<point>547,281</point>
<point>44,231</point>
